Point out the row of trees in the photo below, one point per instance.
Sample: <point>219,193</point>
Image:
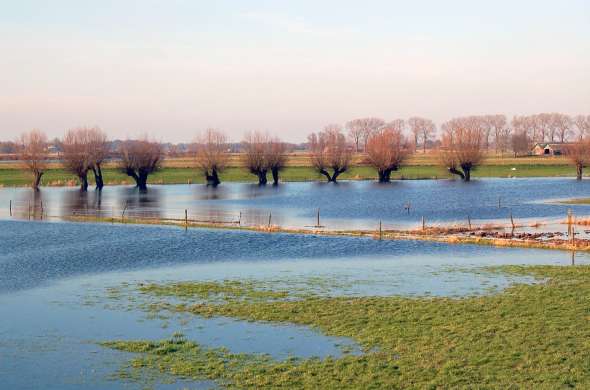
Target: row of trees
<point>361,130</point>
<point>552,127</point>
<point>496,131</point>
<point>463,143</point>
<point>85,149</point>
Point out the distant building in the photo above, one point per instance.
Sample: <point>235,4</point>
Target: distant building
<point>549,149</point>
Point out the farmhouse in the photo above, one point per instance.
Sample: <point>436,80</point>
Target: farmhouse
<point>549,149</point>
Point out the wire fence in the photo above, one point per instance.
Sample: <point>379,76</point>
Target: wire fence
<point>31,210</point>
<point>37,210</point>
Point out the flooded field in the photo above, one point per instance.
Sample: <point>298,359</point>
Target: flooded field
<point>67,287</point>
<point>347,205</point>
<point>58,299</point>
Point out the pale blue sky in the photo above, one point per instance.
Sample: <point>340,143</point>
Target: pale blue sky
<point>172,68</point>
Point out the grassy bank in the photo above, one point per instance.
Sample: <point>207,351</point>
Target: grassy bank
<point>529,336</point>
<point>178,175</point>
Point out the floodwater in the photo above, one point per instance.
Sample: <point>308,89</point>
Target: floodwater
<point>55,280</point>
<point>55,277</point>
<point>346,205</point>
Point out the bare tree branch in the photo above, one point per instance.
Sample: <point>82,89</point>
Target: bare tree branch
<point>76,154</point>
<point>32,151</point>
<point>386,150</point>
<point>212,155</point>
<point>463,140</point>
<point>140,158</point>
<point>330,152</point>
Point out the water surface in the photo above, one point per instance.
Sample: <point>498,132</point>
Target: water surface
<point>346,205</point>
<point>55,280</point>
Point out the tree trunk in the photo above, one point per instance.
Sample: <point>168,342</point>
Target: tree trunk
<point>97,171</point>
<point>131,173</point>
<point>213,178</point>
<point>83,182</point>
<point>467,174</point>
<point>37,179</point>
<point>336,173</point>
<point>327,174</point>
<point>142,181</point>
<point>139,177</point>
<point>579,169</point>
<point>262,180</point>
<point>275,176</point>
<point>384,175</point>
<point>454,171</point>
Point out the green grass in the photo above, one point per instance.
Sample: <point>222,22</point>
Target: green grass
<point>226,291</point>
<point>59,177</point>
<point>529,336</point>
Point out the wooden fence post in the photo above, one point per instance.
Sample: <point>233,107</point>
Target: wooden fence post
<point>423,224</point>
<point>408,206</point>
<point>572,227</point>
<point>123,213</point>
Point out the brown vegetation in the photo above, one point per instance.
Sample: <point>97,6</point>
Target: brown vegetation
<point>422,129</point>
<point>212,155</point>
<point>276,158</point>
<point>99,151</point>
<point>386,150</point>
<point>498,125</point>
<point>32,151</point>
<point>544,127</point>
<point>521,144</point>
<point>255,155</point>
<point>361,129</point>
<point>139,158</point>
<point>85,149</point>
<point>579,154</point>
<point>263,153</point>
<point>462,146</point>
<point>76,155</point>
<point>329,151</point>
<point>582,124</point>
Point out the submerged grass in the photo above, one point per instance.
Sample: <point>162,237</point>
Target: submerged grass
<point>530,336</point>
<point>226,291</point>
